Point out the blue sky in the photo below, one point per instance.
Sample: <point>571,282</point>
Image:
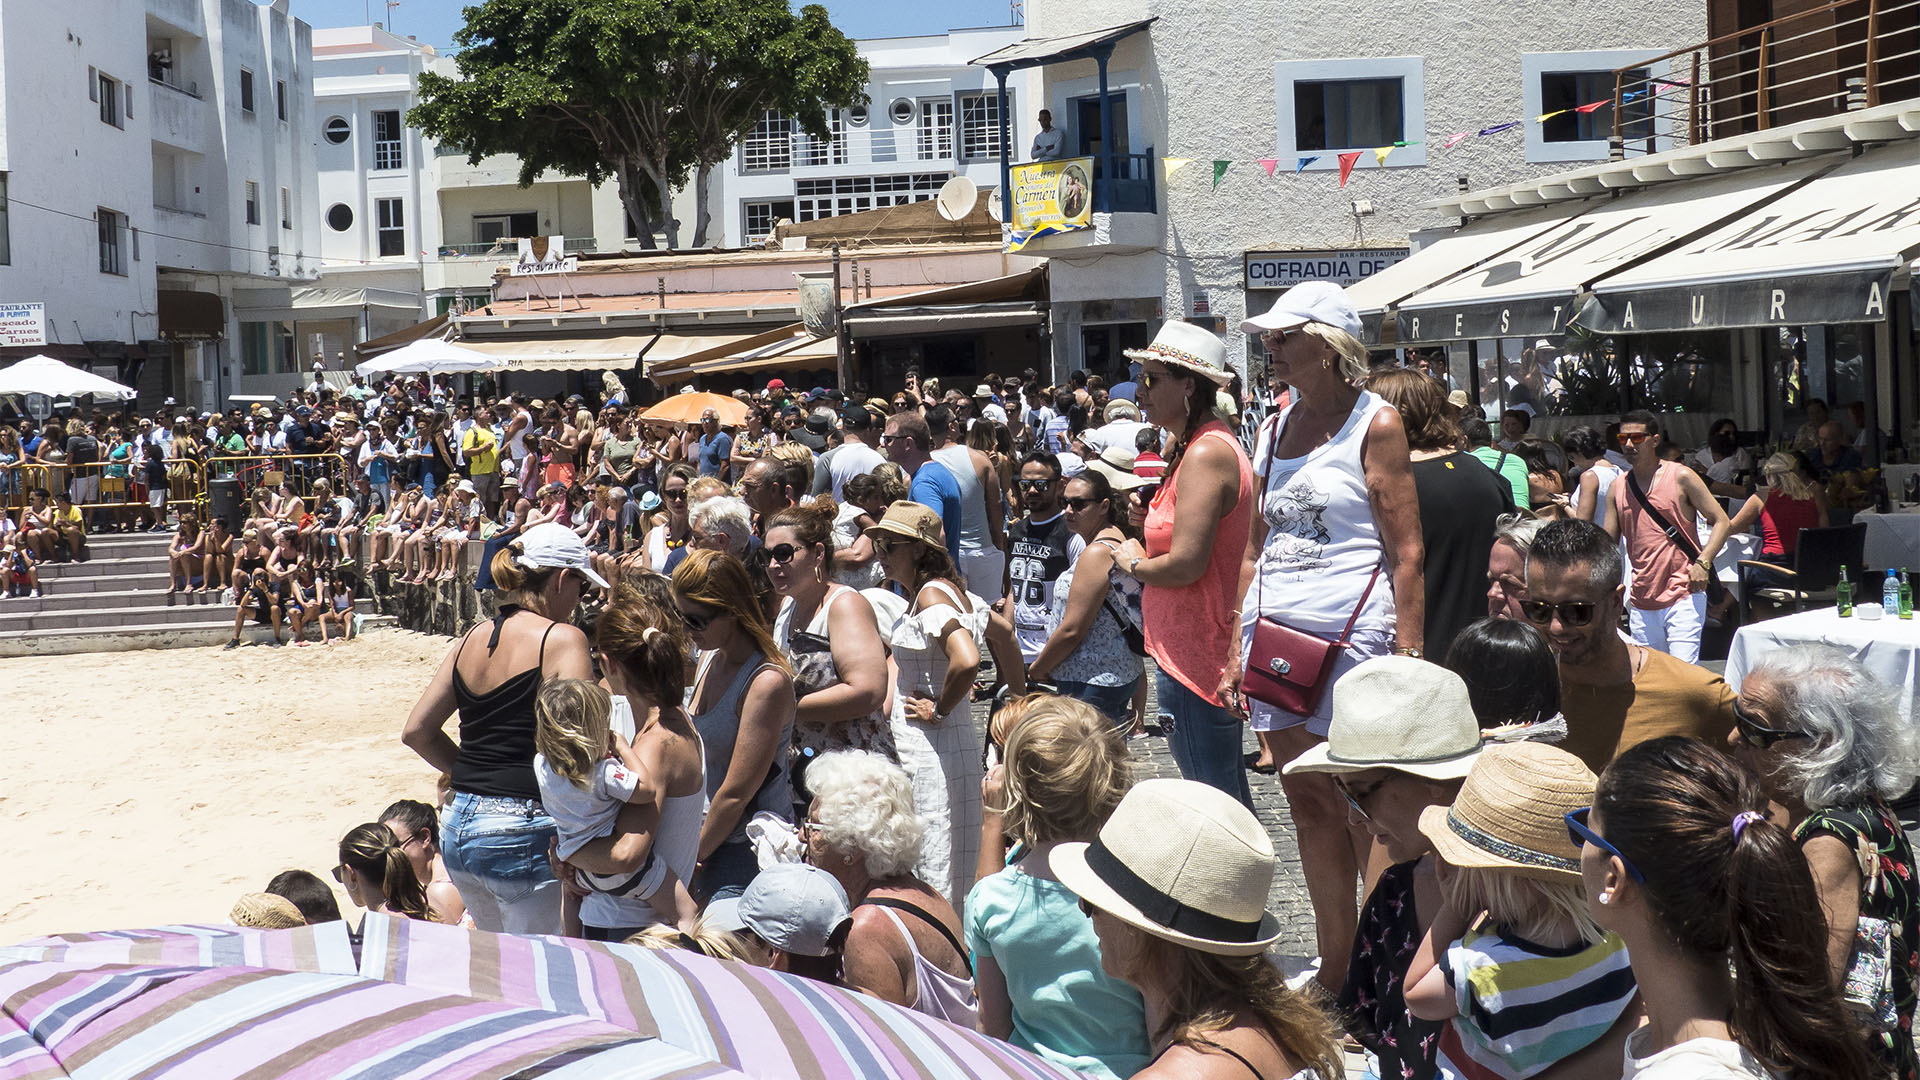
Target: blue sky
<point>434,21</point>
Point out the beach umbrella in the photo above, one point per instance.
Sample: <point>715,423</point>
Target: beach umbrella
<point>686,409</point>
<point>45,375</point>
<point>428,356</point>
<point>743,1021</point>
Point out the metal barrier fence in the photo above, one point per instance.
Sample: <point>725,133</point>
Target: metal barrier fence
<point>116,491</point>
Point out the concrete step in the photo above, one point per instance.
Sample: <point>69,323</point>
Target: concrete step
<point>127,545</point>
<point>108,598</point>
<point>154,580</point>
<point>109,617</point>
<point>103,566</point>
<point>146,635</point>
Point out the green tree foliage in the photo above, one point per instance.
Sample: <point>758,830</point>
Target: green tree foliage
<point>645,92</point>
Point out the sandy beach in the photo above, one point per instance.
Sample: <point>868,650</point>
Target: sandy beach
<point>154,787</point>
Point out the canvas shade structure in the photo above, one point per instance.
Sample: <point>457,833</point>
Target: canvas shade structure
<point>731,1020</point>
<point>45,375</point>
<point>428,356</point>
<point>686,409</point>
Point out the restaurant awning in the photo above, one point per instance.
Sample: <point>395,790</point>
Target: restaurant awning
<point>1534,288</point>
<point>1010,300</point>
<point>315,303</point>
<point>189,315</point>
<point>562,354</point>
<point>787,347</point>
<point>372,347</point>
<point>1375,296</point>
<point>1825,252</point>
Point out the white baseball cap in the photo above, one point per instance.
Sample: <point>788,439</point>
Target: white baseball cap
<point>795,908</point>
<point>554,545</point>
<point>1310,301</point>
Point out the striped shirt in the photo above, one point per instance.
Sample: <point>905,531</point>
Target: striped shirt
<point>1524,1007</point>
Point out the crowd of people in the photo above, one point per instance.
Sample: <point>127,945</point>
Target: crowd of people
<point>725,707</point>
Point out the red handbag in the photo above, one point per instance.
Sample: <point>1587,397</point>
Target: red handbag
<point>1288,668</point>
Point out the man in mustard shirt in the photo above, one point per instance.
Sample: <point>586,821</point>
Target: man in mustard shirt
<point>482,452</point>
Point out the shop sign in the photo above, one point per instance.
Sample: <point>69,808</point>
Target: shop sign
<point>1285,269</point>
<point>1050,197</point>
<point>23,324</point>
<point>543,255</point>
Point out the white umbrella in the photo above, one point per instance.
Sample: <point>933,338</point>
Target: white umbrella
<point>428,355</point>
<point>45,375</point>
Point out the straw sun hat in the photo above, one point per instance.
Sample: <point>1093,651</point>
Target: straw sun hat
<point>1396,712</point>
<point>1192,349</point>
<point>1511,813</point>
<point>912,521</point>
<point>266,911</point>
<point>1182,861</point>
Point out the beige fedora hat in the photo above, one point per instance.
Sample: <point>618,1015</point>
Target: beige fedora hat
<point>1511,813</point>
<point>1182,861</point>
<point>1193,349</point>
<point>266,911</point>
<point>1396,712</point>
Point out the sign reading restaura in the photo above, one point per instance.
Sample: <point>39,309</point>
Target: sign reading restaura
<point>1285,269</point>
<point>543,255</point>
<point>1050,197</point>
<point>23,324</point>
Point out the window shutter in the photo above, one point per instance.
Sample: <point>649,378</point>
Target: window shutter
<point>93,84</point>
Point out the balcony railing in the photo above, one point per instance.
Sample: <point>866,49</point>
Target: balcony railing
<point>878,144</point>
<point>1132,189</point>
<point>507,246</point>
<point>1846,55</point>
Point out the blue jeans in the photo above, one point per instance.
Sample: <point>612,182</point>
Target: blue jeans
<point>1114,702</point>
<point>495,849</point>
<point>1204,739</point>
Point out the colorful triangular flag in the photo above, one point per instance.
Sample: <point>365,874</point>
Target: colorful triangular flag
<point>1453,140</point>
<point>1219,170</point>
<point>1347,162</point>
<point>1175,164</point>
<point>1544,117</point>
<point>1268,164</point>
<point>1304,162</point>
<point>1380,153</point>
<point>1498,128</point>
<point>1603,102</point>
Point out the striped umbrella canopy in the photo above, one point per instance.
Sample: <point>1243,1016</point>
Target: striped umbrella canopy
<point>740,1020</point>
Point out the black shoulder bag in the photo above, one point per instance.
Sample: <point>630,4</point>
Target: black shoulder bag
<point>1716,592</point>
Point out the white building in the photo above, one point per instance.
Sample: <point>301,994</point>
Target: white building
<point>929,117</point>
<point>156,158</point>
<point>1228,80</point>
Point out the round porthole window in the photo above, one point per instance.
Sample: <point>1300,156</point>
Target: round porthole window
<point>901,110</point>
<point>340,217</point>
<point>337,130</point>
<point>857,116</point>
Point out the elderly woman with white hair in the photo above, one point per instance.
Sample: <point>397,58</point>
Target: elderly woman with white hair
<point>905,945</point>
<point>1828,742</point>
<point>722,523</point>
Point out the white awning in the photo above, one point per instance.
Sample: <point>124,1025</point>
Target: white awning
<point>1534,289</point>
<point>790,347</point>
<point>1826,252</point>
<point>561,354</point>
<point>314,303</point>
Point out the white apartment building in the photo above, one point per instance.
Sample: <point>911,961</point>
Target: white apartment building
<point>155,168</point>
<point>1227,80</point>
<point>928,118</point>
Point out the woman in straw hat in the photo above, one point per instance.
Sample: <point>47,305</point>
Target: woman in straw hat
<point>1188,559</point>
<point>1176,883</point>
<point>1335,551</point>
<point>1514,960</point>
<point>1087,654</point>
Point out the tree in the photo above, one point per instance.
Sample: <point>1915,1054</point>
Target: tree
<point>644,92</point>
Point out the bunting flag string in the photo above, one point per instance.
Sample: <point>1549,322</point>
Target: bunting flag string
<point>1219,170</point>
<point>1454,139</point>
<point>1347,162</point>
<point>1498,128</point>
<point>1175,164</point>
<point>1380,153</point>
<point>1268,164</point>
<point>1304,162</point>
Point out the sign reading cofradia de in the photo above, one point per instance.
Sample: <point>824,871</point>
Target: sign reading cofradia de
<point>23,324</point>
<point>1285,269</point>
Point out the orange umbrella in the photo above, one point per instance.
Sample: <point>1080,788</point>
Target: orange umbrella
<point>686,409</point>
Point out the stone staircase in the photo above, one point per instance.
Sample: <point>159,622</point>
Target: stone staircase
<point>117,601</point>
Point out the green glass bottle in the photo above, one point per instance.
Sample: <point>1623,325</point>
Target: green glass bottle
<point>1906,595</point>
<point>1843,595</point>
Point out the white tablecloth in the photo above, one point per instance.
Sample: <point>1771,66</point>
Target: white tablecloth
<point>1893,540</point>
<point>1889,647</point>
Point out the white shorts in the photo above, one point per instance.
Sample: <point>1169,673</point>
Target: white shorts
<point>85,489</point>
<point>157,498</point>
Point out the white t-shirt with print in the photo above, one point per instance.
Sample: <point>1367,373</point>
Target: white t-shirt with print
<point>585,814</point>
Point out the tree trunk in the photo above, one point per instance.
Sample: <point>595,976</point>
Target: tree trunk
<point>658,173</point>
<point>702,217</point>
<point>635,206</point>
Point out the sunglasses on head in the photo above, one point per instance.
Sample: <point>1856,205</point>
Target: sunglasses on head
<point>781,553</point>
<point>1758,735</point>
<point>1572,612</point>
<point>1582,834</point>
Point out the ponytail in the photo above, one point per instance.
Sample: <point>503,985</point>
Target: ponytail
<point>373,853</point>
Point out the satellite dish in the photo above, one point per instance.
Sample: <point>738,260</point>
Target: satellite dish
<point>993,204</point>
<point>956,198</point>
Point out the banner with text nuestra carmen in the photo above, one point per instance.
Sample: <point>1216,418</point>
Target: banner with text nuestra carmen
<point>23,324</point>
<point>1050,197</point>
<point>543,255</point>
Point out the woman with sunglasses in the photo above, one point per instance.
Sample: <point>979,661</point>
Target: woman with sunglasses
<point>1718,910</point>
<point>1086,653</point>
<point>416,827</point>
<point>666,541</point>
<point>742,705</point>
<point>376,874</point>
<point>1827,740</point>
<point>495,835</point>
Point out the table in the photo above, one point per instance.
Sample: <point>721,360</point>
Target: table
<point>1896,477</point>
<point>1889,647</point>
<point>1893,540</point>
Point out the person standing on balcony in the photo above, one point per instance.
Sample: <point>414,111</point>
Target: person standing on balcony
<point>1049,143</point>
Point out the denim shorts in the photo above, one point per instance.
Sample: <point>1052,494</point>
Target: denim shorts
<point>495,849</point>
<point>1114,702</point>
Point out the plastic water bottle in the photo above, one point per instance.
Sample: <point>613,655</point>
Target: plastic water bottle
<point>1906,595</point>
<point>1843,595</point>
<point>1890,592</point>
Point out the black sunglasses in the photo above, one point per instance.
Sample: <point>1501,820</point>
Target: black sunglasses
<point>677,494</point>
<point>1077,505</point>
<point>781,553</point>
<point>1758,735</point>
<point>1353,797</point>
<point>697,623</point>
<point>1572,612</point>
<point>1036,485</point>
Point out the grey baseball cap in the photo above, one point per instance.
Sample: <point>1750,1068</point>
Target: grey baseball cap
<point>795,908</point>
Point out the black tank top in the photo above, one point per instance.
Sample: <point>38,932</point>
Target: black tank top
<point>496,728</point>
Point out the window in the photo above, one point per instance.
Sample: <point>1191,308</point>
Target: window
<point>6,225</point>
<point>815,199</point>
<point>113,258</point>
<point>934,134</point>
<point>391,223</point>
<point>763,215</point>
<point>488,228</point>
<point>286,209</point>
<point>109,95</point>
<point>1557,85</point>
<point>246,90</point>
<point>339,217</point>
<point>280,98</point>
<point>266,348</point>
<point>1322,107</point>
<point>253,202</point>
<point>388,152</point>
<point>980,125</point>
<point>768,147</point>
<point>337,130</point>
<point>833,151</point>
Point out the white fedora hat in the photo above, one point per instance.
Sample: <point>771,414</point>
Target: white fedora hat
<point>1182,861</point>
<point>1189,347</point>
<point>1399,713</point>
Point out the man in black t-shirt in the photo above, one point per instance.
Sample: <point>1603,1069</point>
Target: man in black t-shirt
<point>83,456</point>
<point>1040,547</point>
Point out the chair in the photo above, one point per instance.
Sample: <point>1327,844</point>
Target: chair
<point>1815,572</point>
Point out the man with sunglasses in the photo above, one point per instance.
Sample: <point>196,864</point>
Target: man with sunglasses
<point>908,443</point>
<point>1040,547</point>
<point>1653,508</point>
<point>1614,693</point>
